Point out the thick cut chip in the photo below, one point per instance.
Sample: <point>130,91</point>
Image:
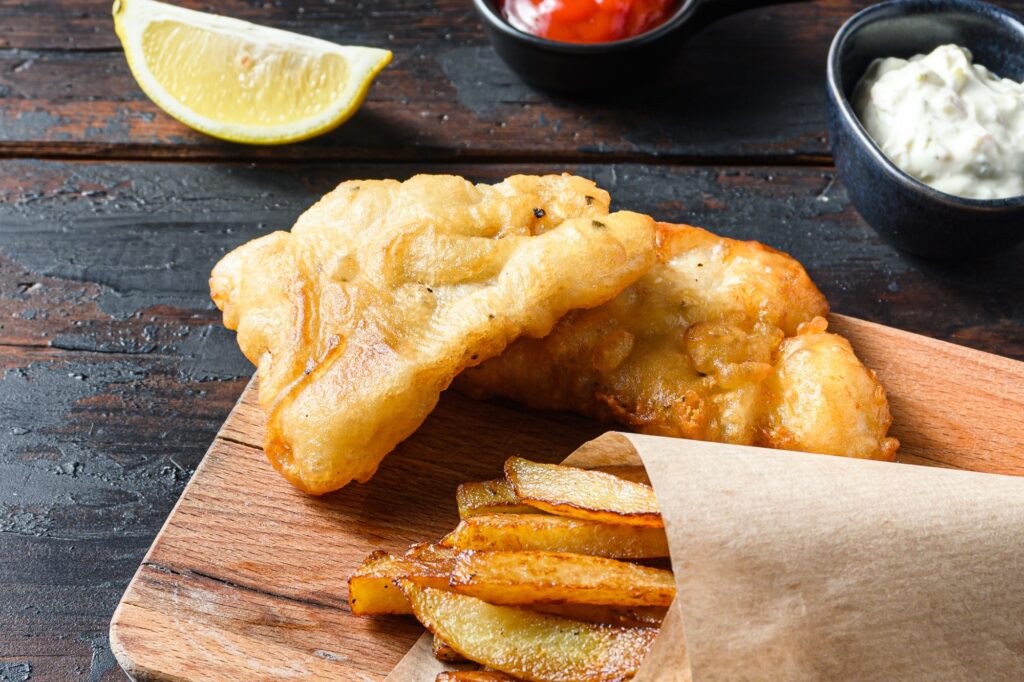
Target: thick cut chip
<point>499,497</point>
<point>489,497</point>
<point>521,578</point>
<point>542,532</point>
<point>383,291</point>
<point>583,494</point>
<point>432,554</point>
<point>442,651</point>
<point>527,644</point>
<point>688,351</point>
<point>372,590</point>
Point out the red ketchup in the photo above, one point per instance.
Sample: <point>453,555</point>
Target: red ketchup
<point>587,21</point>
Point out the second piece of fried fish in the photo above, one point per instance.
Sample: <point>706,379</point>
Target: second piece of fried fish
<point>722,340</point>
<point>383,291</point>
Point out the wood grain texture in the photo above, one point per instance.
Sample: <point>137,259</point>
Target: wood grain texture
<point>67,89</point>
<point>277,560</point>
<point>950,406</point>
<point>749,86</point>
<point>247,578</point>
<point>115,373</point>
<point>115,257</point>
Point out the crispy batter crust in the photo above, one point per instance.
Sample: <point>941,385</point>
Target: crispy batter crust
<point>383,291</point>
<point>722,340</point>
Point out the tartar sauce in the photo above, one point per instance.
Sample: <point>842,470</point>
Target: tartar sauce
<point>951,124</point>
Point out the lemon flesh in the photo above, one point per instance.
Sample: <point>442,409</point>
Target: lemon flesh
<point>242,82</point>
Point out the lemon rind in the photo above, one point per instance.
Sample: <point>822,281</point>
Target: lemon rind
<point>364,64</point>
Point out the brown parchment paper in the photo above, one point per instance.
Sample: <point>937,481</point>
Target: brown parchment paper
<point>792,566</point>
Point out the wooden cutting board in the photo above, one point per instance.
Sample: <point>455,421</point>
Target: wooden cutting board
<point>247,579</point>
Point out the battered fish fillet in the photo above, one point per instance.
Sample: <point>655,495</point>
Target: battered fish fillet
<point>383,291</point>
<point>722,340</point>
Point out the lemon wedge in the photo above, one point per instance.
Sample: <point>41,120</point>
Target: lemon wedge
<point>242,82</point>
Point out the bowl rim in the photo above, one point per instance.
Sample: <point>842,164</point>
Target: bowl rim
<point>883,11</point>
<point>494,19</point>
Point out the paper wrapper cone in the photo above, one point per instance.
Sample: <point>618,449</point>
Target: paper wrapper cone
<point>792,566</point>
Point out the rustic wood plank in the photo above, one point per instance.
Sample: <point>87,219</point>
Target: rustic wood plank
<point>115,257</point>
<point>108,341</point>
<point>750,86</point>
<point>303,610</point>
<point>219,628</point>
<point>94,450</point>
<point>115,373</point>
<point>55,611</point>
<point>950,406</point>
<point>86,24</point>
<point>247,578</point>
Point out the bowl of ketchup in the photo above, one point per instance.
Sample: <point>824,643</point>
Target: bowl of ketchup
<point>585,46</point>
<point>587,21</point>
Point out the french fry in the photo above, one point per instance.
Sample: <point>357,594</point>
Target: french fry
<point>524,578</point>
<point>533,646</point>
<point>489,497</point>
<point>432,554</point>
<point>499,497</point>
<point>527,585</point>
<point>583,494</point>
<point>546,533</point>
<point>371,589</point>
<point>474,676</point>
<point>443,652</point>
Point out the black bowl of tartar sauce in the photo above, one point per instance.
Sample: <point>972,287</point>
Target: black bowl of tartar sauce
<point>926,123</point>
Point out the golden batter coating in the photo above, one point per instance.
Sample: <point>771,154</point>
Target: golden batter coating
<point>824,400</point>
<point>383,291</point>
<point>705,346</point>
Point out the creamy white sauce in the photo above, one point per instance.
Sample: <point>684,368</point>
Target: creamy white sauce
<point>950,123</point>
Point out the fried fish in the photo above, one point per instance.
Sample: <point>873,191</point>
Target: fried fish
<point>383,291</point>
<point>722,340</point>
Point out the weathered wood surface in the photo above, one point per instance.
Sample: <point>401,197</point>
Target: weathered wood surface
<point>231,593</point>
<point>114,371</point>
<point>751,85</point>
<point>247,578</point>
<point>127,242</point>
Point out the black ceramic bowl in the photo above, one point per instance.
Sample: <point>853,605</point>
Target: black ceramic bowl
<point>599,67</point>
<point>912,215</point>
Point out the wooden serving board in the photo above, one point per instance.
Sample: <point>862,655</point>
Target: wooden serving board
<point>247,579</point>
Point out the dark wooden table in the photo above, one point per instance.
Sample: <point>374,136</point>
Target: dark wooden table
<point>114,370</point>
